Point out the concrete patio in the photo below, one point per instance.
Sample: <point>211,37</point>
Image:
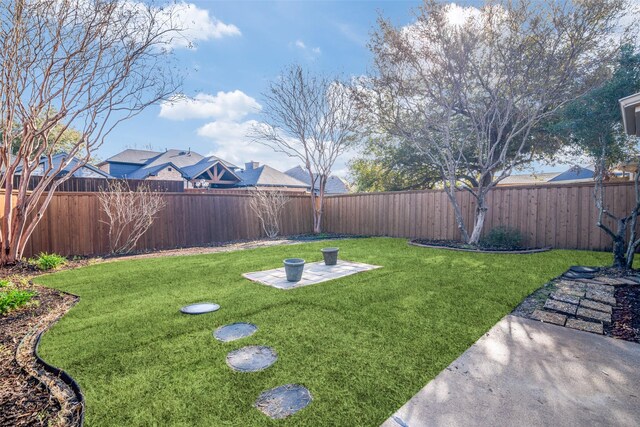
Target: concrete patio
<point>314,272</point>
<point>525,372</point>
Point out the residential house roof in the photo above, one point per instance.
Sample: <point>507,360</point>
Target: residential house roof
<point>572,175</point>
<point>335,184</point>
<point>85,171</point>
<point>266,176</point>
<point>180,158</point>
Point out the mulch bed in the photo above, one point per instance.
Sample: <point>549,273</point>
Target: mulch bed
<point>460,246</point>
<point>626,314</point>
<point>25,400</point>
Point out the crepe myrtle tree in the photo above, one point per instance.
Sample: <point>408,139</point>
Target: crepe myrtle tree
<point>468,88</point>
<point>309,117</point>
<point>71,64</point>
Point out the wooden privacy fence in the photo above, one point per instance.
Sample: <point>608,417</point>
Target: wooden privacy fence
<point>72,225</point>
<point>560,216</point>
<point>74,184</point>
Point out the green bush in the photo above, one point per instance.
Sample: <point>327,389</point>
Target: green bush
<point>46,261</point>
<point>14,298</point>
<point>502,237</point>
<point>5,283</point>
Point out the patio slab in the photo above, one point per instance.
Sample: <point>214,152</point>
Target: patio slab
<point>314,273</point>
<point>525,372</point>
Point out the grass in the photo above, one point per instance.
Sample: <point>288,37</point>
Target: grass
<point>363,345</point>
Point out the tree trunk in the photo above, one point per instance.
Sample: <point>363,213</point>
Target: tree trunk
<point>451,193</point>
<point>481,214</point>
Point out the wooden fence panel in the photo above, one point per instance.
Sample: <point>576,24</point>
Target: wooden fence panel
<point>560,216</point>
<point>74,223</point>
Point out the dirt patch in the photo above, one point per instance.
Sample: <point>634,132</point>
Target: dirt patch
<point>25,400</point>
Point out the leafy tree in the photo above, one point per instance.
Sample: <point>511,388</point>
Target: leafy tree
<point>391,166</point>
<point>593,124</point>
<point>468,88</point>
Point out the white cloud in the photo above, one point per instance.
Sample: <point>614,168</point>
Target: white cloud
<point>196,24</point>
<point>232,143</point>
<point>310,52</point>
<point>224,105</point>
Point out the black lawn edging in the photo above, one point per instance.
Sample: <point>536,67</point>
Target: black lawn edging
<point>481,251</point>
<point>64,377</point>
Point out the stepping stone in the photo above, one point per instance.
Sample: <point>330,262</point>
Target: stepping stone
<point>200,308</point>
<point>603,289</point>
<point>582,269</point>
<point>564,297</point>
<point>627,281</point>
<point>601,297</point>
<point>572,288</point>
<point>283,401</point>
<point>588,314</point>
<point>581,325</point>
<point>573,275</point>
<point>234,331</point>
<point>252,358</point>
<point>560,306</point>
<point>594,305</point>
<point>548,317</point>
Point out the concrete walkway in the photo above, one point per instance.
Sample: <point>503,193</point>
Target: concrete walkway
<point>528,373</point>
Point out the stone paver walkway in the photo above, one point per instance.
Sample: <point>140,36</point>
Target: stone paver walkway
<point>583,300</point>
<point>314,272</point>
<point>527,373</point>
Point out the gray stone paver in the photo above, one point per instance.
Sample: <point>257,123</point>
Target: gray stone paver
<point>565,297</point>
<point>588,314</point>
<point>583,325</point>
<point>601,297</point>
<point>549,317</point>
<point>594,305</point>
<point>561,307</point>
<point>314,272</point>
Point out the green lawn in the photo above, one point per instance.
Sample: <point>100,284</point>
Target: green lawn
<point>363,345</point>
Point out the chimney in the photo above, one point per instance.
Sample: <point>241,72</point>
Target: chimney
<point>251,165</point>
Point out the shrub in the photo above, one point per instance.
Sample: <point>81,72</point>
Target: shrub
<point>14,298</point>
<point>502,237</point>
<point>5,283</point>
<point>46,261</point>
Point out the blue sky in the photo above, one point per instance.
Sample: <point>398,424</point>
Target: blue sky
<point>239,47</point>
<point>249,43</point>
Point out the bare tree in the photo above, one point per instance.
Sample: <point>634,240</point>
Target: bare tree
<point>129,213</point>
<point>267,205</point>
<point>313,119</point>
<point>469,87</point>
<point>70,64</point>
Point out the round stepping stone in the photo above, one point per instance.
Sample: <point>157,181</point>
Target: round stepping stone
<point>280,402</point>
<point>234,331</point>
<point>581,269</point>
<point>200,308</point>
<point>251,358</point>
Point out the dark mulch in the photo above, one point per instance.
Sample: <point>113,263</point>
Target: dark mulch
<point>626,315</point>
<point>24,401</point>
<point>454,244</point>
